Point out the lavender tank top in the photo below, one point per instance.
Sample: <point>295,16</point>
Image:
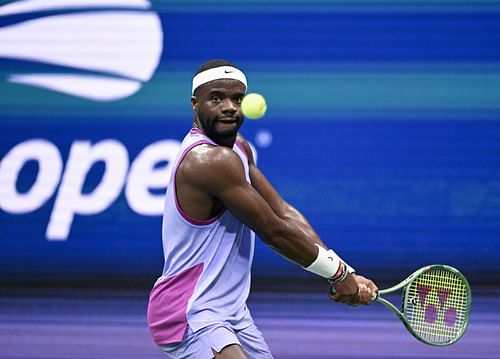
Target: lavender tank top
<point>206,275</point>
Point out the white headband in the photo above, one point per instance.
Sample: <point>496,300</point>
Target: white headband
<point>218,73</point>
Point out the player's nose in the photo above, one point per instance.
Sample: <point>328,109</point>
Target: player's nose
<point>228,106</point>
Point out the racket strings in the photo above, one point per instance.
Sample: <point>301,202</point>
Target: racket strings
<point>437,305</point>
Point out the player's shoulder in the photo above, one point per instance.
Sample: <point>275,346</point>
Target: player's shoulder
<point>211,153</point>
<point>209,158</point>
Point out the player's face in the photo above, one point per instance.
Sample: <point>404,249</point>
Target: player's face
<point>218,107</point>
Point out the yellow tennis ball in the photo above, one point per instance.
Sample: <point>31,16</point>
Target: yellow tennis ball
<point>254,106</point>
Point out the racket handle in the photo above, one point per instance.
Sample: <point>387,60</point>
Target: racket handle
<point>333,292</point>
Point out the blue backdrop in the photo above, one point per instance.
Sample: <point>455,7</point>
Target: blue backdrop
<point>383,128</point>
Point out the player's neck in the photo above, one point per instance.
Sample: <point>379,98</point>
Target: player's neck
<point>223,140</point>
<point>226,141</point>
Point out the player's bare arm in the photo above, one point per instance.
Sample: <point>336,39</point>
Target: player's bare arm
<point>212,175</point>
<point>201,186</point>
<point>289,213</point>
<point>280,207</point>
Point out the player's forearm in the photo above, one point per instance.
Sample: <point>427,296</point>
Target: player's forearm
<point>287,212</point>
<point>295,240</point>
<point>292,241</point>
<point>295,246</point>
<point>292,214</point>
<point>291,235</point>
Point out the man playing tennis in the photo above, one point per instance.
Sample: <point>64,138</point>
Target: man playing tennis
<point>216,200</point>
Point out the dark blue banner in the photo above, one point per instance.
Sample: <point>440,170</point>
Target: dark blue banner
<point>383,128</point>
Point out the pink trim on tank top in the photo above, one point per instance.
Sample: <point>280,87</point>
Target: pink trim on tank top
<point>197,131</point>
<point>239,144</point>
<point>167,306</point>
<point>184,215</point>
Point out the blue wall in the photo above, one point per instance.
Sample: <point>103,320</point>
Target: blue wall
<point>384,118</point>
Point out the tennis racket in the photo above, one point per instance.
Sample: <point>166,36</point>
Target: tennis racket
<point>436,304</point>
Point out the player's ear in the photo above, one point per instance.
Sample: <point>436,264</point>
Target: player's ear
<point>194,102</point>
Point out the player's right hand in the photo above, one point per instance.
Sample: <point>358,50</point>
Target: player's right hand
<point>353,290</point>
<point>344,291</point>
<point>368,290</point>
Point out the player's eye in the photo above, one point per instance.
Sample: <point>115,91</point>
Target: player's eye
<point>238,99</point>
<point>215,99</point>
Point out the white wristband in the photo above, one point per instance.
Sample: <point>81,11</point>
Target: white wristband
<point>349,268</point>
<point>327,263</point>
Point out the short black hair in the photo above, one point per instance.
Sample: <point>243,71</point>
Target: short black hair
<point>212,64</point>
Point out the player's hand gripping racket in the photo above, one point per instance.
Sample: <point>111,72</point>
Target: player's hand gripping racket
<point>436,304</point>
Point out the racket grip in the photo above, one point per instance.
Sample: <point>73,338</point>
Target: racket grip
<point>333,292</point>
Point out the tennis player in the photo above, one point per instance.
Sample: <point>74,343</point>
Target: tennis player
<point>217,199</point>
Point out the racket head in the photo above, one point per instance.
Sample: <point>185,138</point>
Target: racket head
<point>436,305</point>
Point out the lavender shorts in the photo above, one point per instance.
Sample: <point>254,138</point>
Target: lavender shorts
<point>199,345</point>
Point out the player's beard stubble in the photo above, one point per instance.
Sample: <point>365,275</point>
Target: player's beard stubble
<point>222,127</point>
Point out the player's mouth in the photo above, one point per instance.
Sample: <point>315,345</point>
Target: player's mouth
<point>228,119</point>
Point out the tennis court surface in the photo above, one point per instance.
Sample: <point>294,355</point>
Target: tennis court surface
<point>71,324</point>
